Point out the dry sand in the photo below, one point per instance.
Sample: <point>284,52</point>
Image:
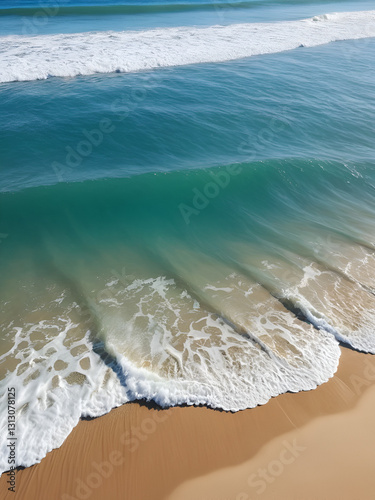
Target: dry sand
<point>313,445</point>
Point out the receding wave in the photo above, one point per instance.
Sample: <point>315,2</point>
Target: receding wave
<point>67,55</point>
<point>222,287</point>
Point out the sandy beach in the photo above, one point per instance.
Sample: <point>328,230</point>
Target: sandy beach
<point>317,444</point>
<point>187,250</point>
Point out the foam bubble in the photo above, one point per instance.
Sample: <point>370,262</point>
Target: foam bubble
<point>329,299</point>
<point>67,55</point>
<point>158,343</point>
<point>56,374</point>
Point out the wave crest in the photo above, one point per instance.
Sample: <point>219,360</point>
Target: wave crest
<point>26,58</point>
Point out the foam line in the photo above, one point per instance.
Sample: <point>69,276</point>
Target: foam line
<point>25,58</point>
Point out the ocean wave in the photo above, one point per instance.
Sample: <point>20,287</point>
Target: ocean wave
<point>109,295</point>
<point>140,7</point>
<point>24,58</point>
<point>182,354</point>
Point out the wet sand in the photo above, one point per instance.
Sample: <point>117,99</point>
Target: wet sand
<point>311,445</point>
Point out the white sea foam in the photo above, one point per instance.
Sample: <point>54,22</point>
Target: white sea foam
<point>67,55</point>
<point>159,343</point>
<point>330,299</point>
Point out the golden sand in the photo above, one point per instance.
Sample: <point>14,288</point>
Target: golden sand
<point>306,446</point>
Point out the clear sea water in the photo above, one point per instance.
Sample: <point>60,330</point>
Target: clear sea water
<point>186,204</point>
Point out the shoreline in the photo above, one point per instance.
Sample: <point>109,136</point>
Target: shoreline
<point>141,452</point>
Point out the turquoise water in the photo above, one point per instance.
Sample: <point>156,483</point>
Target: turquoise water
<point>64,16</point>
<point>193,233</point>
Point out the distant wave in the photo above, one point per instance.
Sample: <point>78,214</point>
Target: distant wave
<point>142,8</point>
<point>25,58</point>
<point>87,10</point>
